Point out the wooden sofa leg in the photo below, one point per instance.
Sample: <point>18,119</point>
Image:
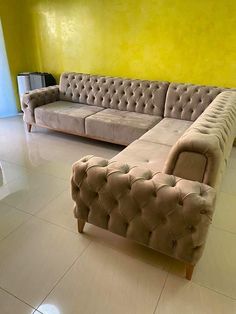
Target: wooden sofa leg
<point>29,127</point>
<point>81,224</point>
<point>189,271</point>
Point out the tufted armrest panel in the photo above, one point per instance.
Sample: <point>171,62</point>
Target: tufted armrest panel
<point>164,212</point>
<point>36,98</point>
<point>208,142</point>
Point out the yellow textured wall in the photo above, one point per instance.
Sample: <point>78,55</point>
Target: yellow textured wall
<point>176,40</point>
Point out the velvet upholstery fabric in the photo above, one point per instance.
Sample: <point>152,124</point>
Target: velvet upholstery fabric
<point>65,116</point>
<point>113,92</point>
<point>37,98</point>
<point>151,156</point>
<point>164,212</point>
<point>117,126</point>
<point>160,190</point>
<point>211,135</point>
<point>167,131</point>
<point>188,101</point>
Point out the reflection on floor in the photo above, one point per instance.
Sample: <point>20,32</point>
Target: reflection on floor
<point>47,267</point>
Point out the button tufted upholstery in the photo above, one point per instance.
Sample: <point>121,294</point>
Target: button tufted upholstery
<point>117,93</point>
<point>162,211</point>
<point>187,101</point>
<point>171,100</point>
<point>160,190</point>
<point>148,155</point>
<point>154,191</point>
<point>211,137</point>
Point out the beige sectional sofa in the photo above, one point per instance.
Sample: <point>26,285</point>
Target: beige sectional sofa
<point>160,190</point>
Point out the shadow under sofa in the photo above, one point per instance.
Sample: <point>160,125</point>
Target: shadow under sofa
<point>160,190</point>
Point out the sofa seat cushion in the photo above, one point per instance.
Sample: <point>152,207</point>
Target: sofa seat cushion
<point>65,116</point>
<point>121,127</point>
<point>167,132</point>
<point>148,155</point>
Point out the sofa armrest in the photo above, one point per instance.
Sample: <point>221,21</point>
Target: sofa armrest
<point>203,150</point>
<point>167,213</point>
<point>36,98</point>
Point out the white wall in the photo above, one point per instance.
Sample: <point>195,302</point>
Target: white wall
<point>7,97</point>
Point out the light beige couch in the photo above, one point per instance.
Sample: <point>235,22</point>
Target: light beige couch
<point>160,190</point>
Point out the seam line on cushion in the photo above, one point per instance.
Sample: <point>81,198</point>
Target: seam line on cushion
<point>85,131</point>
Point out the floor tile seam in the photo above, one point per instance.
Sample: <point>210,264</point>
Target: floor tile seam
<point>103,243</point>
<point>16,208</point>
<point>33,214</point>
<point>214,290</point>
<point>16,178</point>
<point>162,290</point>
<point>58,194</point>
<point>30,170</point>
<point>194,282</point>
<point>203,286</point>
<point>14,296</point>
<point>51,200</point>
<point>14,230</point>
<point>57,225</point>
<point>45,172</point>
<point>64,274</point>
<point>38,217</point>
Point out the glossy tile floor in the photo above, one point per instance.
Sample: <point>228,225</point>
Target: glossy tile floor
<point>47,267</point>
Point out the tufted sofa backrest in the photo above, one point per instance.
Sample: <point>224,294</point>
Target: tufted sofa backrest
<point>187,101</point>
<point>117,93</point>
